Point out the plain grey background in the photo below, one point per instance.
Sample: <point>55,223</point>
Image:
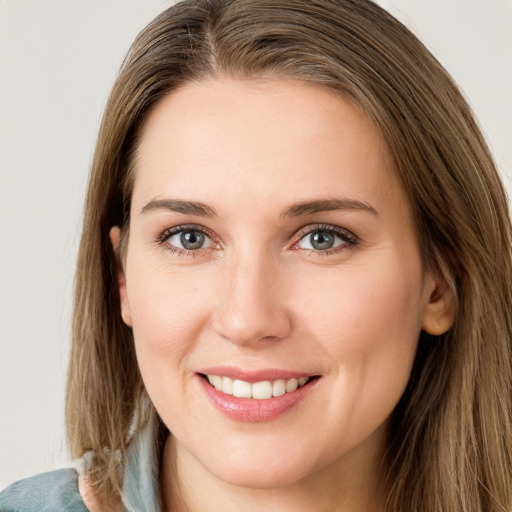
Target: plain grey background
<point>58,59</point>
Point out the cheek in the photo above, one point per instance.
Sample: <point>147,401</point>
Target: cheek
<point>358,310</point>
<point>167,310</point>
<point>367,323</point>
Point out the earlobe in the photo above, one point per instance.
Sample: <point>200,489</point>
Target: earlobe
<point>115,239</point>
<point>440,306</point>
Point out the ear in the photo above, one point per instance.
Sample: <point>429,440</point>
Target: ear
<point>115,239</point>
<point>440,305</point>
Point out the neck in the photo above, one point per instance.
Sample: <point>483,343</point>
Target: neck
<point>187,485</point>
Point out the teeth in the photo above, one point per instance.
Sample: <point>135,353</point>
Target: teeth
<point>227,385</point>
<point>215,381</point>
<point>262,390</point>
<point>258,390</point>
<point>279,387</point>
<point>242,389</point>
<point>292,385</point>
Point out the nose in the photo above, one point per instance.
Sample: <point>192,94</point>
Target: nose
<point>251,306</point>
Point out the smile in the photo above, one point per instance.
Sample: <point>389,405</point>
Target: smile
<point>262,390</point>
<point>255,395</point>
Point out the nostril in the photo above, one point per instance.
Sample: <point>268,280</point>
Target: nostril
<point>251,325</point>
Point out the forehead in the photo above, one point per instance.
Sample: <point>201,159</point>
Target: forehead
<point>268,140</point>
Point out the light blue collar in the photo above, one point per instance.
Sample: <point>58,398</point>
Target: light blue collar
<point>140,483</point>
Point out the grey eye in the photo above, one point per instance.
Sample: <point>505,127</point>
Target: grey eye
<point>321,240</point>
<point>190,240</point>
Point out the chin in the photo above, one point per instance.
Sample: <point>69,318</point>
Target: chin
<point>260,478</point>
<point>260,470</point>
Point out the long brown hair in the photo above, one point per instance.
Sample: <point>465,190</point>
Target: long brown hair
<point>450,446</point>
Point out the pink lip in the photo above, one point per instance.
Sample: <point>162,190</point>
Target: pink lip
<point>253,375</point>
<point>249,410</point>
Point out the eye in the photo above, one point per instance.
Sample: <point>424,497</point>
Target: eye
<point>325,239</point>
<point>188,239</point>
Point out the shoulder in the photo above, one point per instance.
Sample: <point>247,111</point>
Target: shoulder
<point>56,491</point>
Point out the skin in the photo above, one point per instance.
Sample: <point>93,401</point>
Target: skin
<point>93,500</point>
<point>258,295</point>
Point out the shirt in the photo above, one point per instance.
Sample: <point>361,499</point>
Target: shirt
<point>57,491</point>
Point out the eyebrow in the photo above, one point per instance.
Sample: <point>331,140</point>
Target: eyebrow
<point>327,205</point>
<point>295,210</point>
<point>180,206</point>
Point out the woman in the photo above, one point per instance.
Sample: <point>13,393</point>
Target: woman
<point>294,275</point>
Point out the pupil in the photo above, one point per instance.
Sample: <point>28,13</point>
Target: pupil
<point>192,239</point>
<point>322,240</point>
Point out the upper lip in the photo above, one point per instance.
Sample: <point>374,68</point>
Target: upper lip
<point>255,375</point>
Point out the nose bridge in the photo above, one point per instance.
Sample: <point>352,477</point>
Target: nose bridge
<point>250,306</point>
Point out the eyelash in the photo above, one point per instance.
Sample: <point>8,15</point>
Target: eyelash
<point>349,239</point>
<point>162,239</point>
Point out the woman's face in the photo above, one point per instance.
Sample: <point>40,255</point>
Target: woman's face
<point>270,243</point>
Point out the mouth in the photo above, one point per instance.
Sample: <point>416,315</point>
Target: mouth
<point>254,396</point>
<point>260,390</point>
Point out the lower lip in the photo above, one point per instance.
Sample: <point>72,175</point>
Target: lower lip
<point>250,410</point>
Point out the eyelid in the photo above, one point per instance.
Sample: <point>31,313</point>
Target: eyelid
<point>351,240</point>
<point>166,234</point>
